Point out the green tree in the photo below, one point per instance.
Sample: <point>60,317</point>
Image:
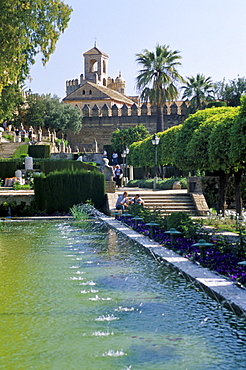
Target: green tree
<point>219,151</point>
<point>167,145</point>
<point>35,110</point>
<point>27,28</point>
<point>231,91</point>
<point>11,99</point>
<point>125,137</point>
<point>238,150</point>
<point>209,148</point>
<point>49,112</point>
<point>199,90</point>
<point>158,78</point>
<point>182,157</point>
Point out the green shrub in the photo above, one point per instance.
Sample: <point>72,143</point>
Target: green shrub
<point>183,223</point>
<point>22,149</point>
<point>166,184</point>
<point>39,151</point>
<point>146,183</point>
<point>8,137</point>
<point>59,191</point>
<point>133,183</point>
<point>13,209</point>
<point>51,165</point>
<point>18,186</point>
<point>94,164</point>
<point>8,168</point>
<point>214,104</point>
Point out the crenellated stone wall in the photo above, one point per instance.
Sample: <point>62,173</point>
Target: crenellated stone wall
<point>99,124</point>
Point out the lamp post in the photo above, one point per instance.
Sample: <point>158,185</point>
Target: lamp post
<point>124,156</point>
<point>127,150</point>
<point>173,232</point>
<point>202,244</point>
<point>155,141</point>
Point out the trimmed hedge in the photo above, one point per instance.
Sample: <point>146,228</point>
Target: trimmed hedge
<point>48,166</point>
<point>39,151</point>
<point>59,191</point>
<point>166,184</point>
<point>35,151</point>
<point>8,168</point>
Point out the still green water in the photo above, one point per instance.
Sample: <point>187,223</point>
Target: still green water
<point>81,297</point>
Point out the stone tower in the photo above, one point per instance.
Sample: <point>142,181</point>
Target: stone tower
<point>96,66</point>
<point>119,84</point>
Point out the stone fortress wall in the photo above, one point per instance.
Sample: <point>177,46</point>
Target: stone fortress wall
<point>99,124</point>
<point>106,107</point>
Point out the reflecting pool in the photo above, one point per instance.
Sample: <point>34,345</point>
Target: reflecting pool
<point>79,296</point>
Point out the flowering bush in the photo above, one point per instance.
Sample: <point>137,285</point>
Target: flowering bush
<point>222,257</point>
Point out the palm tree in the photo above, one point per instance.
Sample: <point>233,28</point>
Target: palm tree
<point>158,77</point>
<point>200,89</point>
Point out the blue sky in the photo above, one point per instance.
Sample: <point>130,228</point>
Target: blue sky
<point>210,35</point>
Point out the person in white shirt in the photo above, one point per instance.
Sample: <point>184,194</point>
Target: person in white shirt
<point>114,158</point>
<point>122,201</point>
<point>118,174</point>
<point>136,200</point>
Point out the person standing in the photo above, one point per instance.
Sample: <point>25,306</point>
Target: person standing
<point>23,135</point>
<point>118,174</point>
<point>114,158</point>
<point>30,134</point>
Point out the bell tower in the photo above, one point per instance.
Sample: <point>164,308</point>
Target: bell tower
<point>96,66</point>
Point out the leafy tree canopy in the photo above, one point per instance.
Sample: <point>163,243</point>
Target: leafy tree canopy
<point>231,91</point>
<point>27,28</point>
<point>238,136</point>
<point>125,137</point>
<point>167,145</point>
<point>49,112</point>
<point>199,90</point>
<point>181,155</point>
<point>209,146</point>
<point>219,140</point>
<point>10,100</point>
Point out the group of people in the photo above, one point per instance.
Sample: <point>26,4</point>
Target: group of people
<point>123,201</point>
<point>114,157</point>
<point>117,171</point>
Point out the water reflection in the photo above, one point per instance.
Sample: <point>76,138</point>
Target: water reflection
<point>84,295</point>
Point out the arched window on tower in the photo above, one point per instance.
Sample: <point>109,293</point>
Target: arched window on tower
<point>93,65</point>
<point>104,66</point>
<point>104,82</point>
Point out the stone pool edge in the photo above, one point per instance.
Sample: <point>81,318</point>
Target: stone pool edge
<point>216,286</point>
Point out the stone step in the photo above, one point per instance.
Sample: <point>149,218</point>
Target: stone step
<point>170,206</point>
<point>7,149</point>
<point>169,203</point>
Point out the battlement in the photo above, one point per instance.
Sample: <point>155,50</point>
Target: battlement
<point>170,109</point>
<point>99,124</point>
<point>71,86</point>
